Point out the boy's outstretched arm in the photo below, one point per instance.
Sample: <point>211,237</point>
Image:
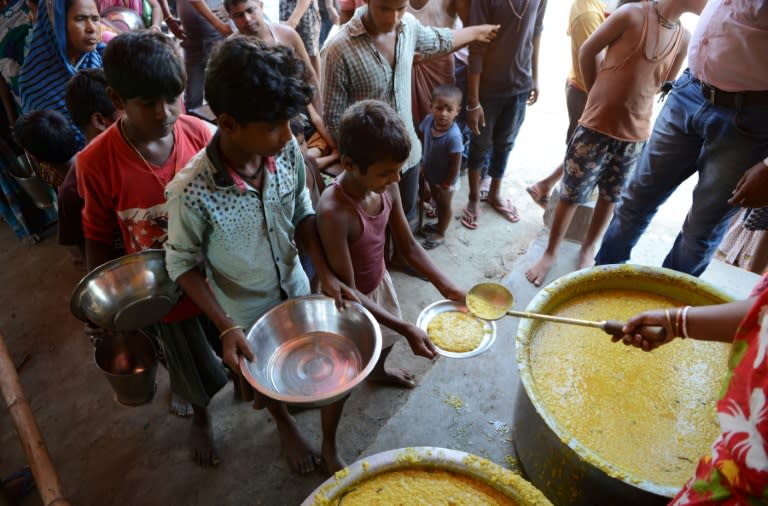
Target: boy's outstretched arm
<point>477,33</point>
<point>309,240</point>
<point>412,251</point>
<point>333,227</point>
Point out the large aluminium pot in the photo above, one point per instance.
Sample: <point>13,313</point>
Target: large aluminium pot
<point>335,488</point>
<point>564,469</point>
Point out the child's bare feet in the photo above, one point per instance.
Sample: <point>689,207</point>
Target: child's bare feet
<point>393,377</point>
<point>300,456</point>
<point>586,257</point>
<point>201,442</point>
<point>539,270</point>
<point>179,406</point>
<point>332,459</point>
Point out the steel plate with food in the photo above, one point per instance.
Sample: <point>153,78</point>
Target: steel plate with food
<point>425,476</point>
<point>454,331</point>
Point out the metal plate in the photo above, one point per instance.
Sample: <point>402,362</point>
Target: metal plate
<point>443,306</point>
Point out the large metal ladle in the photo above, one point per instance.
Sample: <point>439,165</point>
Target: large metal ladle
<point>492,301</point>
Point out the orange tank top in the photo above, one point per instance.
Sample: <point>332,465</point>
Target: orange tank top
<point>620,102</point>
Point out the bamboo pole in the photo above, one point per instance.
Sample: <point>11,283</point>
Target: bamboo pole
<point>32,442</point>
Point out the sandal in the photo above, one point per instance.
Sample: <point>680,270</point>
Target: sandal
<point>506,210</point>
<point>431,243</point>
<point>469,219</point>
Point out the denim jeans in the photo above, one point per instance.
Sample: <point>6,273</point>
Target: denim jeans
<point>690,135</point>
<point>503,119</point>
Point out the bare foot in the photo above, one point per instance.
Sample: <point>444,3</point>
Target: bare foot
<point>332,459</point>
<point>586,257</point>
<point>539,270</point>
<point>394,377</point>
<point>30,239</point>
<point>300,456</point>
<point>201,442</point>
<point>179,406</point>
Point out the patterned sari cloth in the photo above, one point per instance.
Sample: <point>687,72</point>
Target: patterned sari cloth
<point>47,68</point>
<point>14,29</point>
<point>736,472</point>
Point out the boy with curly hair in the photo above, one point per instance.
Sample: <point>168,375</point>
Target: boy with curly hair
<point>242,205</point>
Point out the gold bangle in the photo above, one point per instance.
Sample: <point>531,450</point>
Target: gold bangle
<point>230,329</point>
<point>685,320</point>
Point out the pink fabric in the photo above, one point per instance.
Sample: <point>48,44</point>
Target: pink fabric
<point>350,5</point>
<point>427,76</point>
<point>727,49</point>
<point>367,251</point>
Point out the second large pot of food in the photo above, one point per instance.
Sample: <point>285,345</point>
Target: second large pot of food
<point>602,423</point>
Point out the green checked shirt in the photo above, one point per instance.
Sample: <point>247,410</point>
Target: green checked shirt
<point>354,70</point>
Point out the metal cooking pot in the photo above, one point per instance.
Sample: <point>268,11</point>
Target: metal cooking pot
<point>427,457</point>
<point>565,470</point>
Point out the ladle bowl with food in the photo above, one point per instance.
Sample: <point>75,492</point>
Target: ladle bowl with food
<point>492,301</point>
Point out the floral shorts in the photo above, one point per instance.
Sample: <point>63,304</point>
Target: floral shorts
<point>595,159</point>
<point>309,25</point>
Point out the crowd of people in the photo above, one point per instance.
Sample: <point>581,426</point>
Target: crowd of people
<point>405,96</point>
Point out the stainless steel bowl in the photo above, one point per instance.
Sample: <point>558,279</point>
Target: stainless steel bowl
<point>122,19</point>
<point>307,352</point>
<point>442,306</point>
<point>127,293</point>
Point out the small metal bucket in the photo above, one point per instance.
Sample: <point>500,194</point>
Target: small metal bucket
<point>40,193</point>
<point>129,361</point>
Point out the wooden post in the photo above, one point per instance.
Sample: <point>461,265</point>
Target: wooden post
<point>32,442</point>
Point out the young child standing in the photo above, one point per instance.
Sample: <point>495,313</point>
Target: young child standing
<point>645,46</point>
<point>352,217</point>
<point>441,157</point>
<point>243,206</point>
<point>121,176</point>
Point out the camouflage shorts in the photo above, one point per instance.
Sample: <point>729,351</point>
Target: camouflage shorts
<point>595,159</point>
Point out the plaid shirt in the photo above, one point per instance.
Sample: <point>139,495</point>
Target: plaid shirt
<point>354,70</point>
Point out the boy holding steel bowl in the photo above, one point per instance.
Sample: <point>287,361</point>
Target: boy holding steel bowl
<point>353,215</point>
<point>121,176</point>
<point>242,203</point>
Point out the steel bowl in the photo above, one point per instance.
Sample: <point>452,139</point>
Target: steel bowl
<point>127,293</point>
<point>442,306</point>
<point>426,457</point>
<point>564,468</point>
<point>122,18</point>
<point>309,353</point>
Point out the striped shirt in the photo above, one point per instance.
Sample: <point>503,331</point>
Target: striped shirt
<point>354,70</point>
